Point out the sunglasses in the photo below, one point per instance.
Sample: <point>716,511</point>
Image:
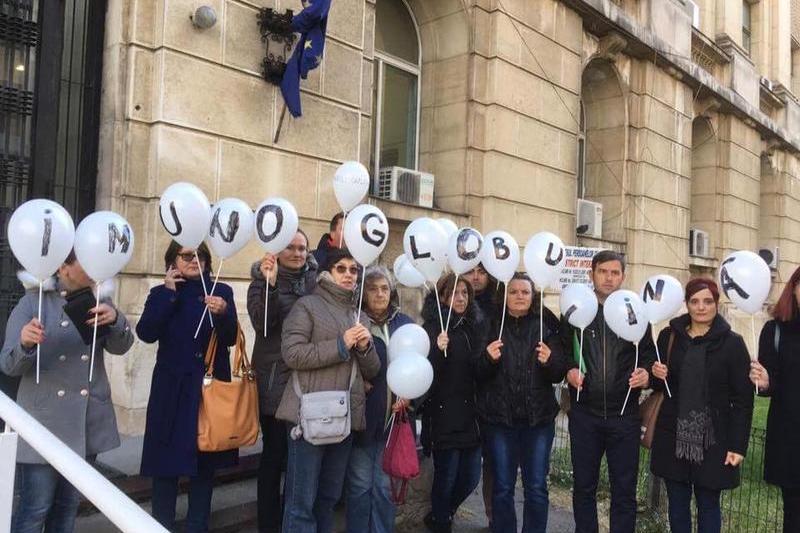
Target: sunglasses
<point>341,269</point>
<point>188,257</point>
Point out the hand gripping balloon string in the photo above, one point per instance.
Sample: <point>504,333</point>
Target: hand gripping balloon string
<point>635,366</point>
<point>505,301</point>
<point>205,309</point>
<point>266,303</point>
<point>94,332</point>
<point>439,307</point>
<point>754,357</point>
<point>580,366</point>
<point>658,358</point>
<point>205,291</point>
<point>452,297</point>
<point>39,346</point>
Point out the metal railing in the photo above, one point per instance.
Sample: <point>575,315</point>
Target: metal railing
<point>109,500</point>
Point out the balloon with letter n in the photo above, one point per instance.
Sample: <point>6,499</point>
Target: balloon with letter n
<point>103,246</point>
<point>366,232</point>
<point>662,296</point>
<point>625,314</point>
<point>40,234</point>
<point>274,226</point>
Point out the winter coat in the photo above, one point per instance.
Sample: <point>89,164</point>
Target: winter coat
<point>78,412</point>
<point>170,318</point>
<point>782,450</point>
<point>321,253</point>
<point>313,347</point>
<point>517,388</point>
<point>449,413</point>
<point>608,364</point>
<point>271,372</point>
<point>729,393</point>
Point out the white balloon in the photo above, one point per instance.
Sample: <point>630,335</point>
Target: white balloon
<point>500,255</point>
<point>745,279</point>
<point>578,303</point>
<point>40,234</point>
<point>662,296</point>
<point>447,225</point>
<point>103,244</point>
<point>425,243</point>
<point>275,224</point>
<point>464,250</point>
<point>544,258</point>
<point>366,232</point>
<point>350,184</point>
<point>625,315</point>
<point>185,213</point>
<point>230,228</point>
<point>409,375</point>
<point>409,338</point>
<point>406,274</point>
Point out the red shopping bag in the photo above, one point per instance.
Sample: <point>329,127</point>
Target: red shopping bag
<point>400,461</point>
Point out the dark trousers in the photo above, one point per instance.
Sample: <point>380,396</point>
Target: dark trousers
<point>456,473</point>
<point>487,481</point>
<point>617,438</point>
<point>709,515</point>
<point>520,447</point>
<point>165,494</point>
<point>791,510</point>
<point>270,469</point>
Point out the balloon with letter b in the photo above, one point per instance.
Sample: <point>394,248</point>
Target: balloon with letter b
<point>500,255</point>
<point>40,234</point>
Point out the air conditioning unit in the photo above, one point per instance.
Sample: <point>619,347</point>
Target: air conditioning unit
<point>405,185</point>
<point>590,219</point>
<point>694,11</point>
<point>767,83</point>
<point>699,245</point>
<point>770,256</point>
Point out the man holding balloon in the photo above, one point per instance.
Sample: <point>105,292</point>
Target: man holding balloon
<point>601,421</point>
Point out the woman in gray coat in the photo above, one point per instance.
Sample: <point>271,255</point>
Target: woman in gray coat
<point>78,412</point>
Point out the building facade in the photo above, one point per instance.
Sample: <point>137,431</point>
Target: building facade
<point>678,118</point>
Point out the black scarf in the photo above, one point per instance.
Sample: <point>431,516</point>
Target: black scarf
<point>294,279</point>
<point>695,430</point>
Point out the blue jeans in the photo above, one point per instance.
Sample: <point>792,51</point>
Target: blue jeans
<point>520,447</point>
<point>46,500</point>
<point>314,481</point>
<point>456,473</point>
<point>165,493</point>
<point>369,503</point>
<point>709,515</point>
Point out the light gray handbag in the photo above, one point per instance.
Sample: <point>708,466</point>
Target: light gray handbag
<point>325,415</point>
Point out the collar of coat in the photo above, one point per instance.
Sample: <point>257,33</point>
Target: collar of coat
<point>330,291</point>
<point>29,282</point>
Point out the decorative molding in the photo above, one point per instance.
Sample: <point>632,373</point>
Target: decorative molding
<point>611,45</point>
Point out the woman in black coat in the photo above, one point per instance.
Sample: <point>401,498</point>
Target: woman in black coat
<point>517,406</point>
<point>775,374</point>
<point>449,418</point>
<point>702,431</point>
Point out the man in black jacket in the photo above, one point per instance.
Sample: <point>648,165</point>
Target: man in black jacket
<point>596,424</point>
<point>330,241</point>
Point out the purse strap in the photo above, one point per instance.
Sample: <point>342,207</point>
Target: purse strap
<point>299,391</point>
<point>669,345</point>
<point>241,364</point>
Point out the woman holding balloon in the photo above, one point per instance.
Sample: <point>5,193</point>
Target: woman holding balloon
<point>702,431</point>
<point>170,317</point>
<point>517,405</point>
<point>449,420</point>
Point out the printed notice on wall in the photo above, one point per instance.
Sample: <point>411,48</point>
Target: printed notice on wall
<point>577,266</point>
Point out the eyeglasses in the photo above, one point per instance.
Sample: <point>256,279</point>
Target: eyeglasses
<point>341,269</point>
<point>188,257</point>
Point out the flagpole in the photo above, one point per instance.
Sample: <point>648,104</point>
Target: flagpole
<point>280,125</point>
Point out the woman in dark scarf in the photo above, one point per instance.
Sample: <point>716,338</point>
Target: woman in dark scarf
<point>702,432</point>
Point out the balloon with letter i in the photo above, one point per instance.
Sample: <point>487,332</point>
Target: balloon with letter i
<point>625,314</point>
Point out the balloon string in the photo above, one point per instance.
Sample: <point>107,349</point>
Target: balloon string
<point>541,316</point>
<point>39,346</point>
<point>452,297</point>
<point>580,366</point>
<point>266,303</point>
<point>203,281</point>
<point>439,307</point>
<point>503,320</point>
<point>94,332</point>
<point>205,309</point>
<point>360,301</point>
<point>341,235</point>
<point>658,356</point>
<point>630,388</point>
<point>754,355</point>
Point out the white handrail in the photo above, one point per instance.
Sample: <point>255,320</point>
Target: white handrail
<point>112,502</point>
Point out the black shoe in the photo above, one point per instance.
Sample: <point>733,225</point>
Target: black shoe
<point>436,527</point>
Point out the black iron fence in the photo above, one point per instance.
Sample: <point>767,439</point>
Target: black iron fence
<point>753,507</point>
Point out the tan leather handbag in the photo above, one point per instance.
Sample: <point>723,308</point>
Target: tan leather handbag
<point>650,408</point>
<point>228,417</point>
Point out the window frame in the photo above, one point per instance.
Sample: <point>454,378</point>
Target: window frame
<point>747,29</point>
<point>380,60</point>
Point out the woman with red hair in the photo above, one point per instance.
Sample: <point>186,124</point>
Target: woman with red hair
<point>776,374</point>
<point>702,431</point>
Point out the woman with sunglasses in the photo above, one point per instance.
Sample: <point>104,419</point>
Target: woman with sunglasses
<point>325,341</point>
<point>170,317</point>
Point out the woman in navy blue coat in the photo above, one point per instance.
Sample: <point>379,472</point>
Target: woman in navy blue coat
<point>170,317</point>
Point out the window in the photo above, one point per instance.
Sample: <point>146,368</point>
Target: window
<point>396,87</point>
<point>746,26</point>
<point>581,170</point>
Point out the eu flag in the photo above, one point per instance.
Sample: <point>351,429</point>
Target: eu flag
<point>311,23</point>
